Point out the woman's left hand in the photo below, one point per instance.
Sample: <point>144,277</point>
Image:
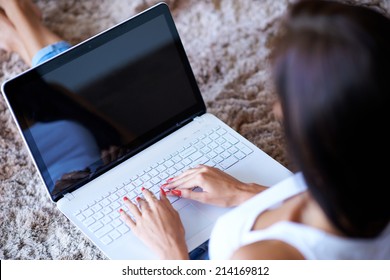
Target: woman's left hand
<point>157,224</point>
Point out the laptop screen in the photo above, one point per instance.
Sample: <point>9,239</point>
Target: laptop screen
<point>99,103</point>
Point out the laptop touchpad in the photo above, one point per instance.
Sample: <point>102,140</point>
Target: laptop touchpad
<point>193,220</point>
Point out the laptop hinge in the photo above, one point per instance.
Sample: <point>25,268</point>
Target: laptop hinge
<point>69,196</point>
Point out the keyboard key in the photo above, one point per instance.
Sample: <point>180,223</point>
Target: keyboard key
<point>94,227</point>
<point>103,231</point>
<point>218,159</point>
<point>202,160</point>
<point>195,156</point>
<point>207,141</point>
<point>155,180</point>
<point>114,214</point>
<point>106,220</point>
<point>163,175</point>
<point>161,168</point>
<point>114,197</point>
<point>121,192</point>
<point>115,234</point>
<point>88,213</point>
<point>96,207</point>
<point>89,221</point>
<point>205,150</point>
<point>214,136</point>
<point>199,146</point>
<point>146,177</point>
<point>212,154</point>
<point>187,152</point>
<point>176,159</point>
<point>105,202</point>
<point>106,210</point>
<point>123,229</point>
<point>116,223</point>
<point>243,148</point>
<point>233,140</point>
<point>179,166</point>
<point>92,203</point>
<point>80,217</point>
<point>137,183</point>
<point>225,154</point>
<point>220,141</point>
<point>153,173</point>
<point>221,131</point>
<point>226,145</point>
<point>169,163</point>
<point>115,205</point>
<point>233,150</point>
<point>98,215</point>
<point>239,155</point>
<point>106,240</point>
<point>228,162</point>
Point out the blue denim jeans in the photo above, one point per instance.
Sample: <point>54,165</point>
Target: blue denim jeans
<point>49,52</point>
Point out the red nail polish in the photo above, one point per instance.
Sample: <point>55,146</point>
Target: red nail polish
<point>169,180</point>
<point>120,210</point>
<point>176,192</point>
<point>125,198</point>
<point>142,189</point>
<point>138,198</point>
<point>163,192</point>
<point>164,185</point>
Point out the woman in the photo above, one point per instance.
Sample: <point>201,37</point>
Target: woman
<point>331,71</point>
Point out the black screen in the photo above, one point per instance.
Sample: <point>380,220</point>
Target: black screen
<point>99,103</point>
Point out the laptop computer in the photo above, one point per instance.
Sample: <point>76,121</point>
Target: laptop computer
<point>121,111</point>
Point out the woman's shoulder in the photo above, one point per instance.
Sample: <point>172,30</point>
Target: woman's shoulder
<point>267,250</point>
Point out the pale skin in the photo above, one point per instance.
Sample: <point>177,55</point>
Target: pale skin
<point>158,225</point>
<point>22,30</point>
<point>156,222</point>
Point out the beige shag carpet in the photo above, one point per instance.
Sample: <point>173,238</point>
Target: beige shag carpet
<point>228,43</point>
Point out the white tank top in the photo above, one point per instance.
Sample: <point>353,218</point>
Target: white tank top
<point>233,230</point>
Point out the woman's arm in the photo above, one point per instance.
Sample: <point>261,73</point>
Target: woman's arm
<point>267,250</point>
<point>218,188</point>
<point>157,224</point>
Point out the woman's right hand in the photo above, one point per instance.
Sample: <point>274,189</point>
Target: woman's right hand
<point>218,188</point>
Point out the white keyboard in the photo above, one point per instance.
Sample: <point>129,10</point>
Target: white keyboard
<point>216,148</point>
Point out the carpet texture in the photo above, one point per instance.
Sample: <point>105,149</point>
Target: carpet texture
<point>228,43</point>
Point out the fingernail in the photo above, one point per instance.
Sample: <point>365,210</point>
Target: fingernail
<point>176,192</point>
<point>120,210</point>
<point>164,185</point>
<point>163,192</point>
<point>142,189</point>
<point>138,198</point>
<point>169,180</point>
<point>125,198</point>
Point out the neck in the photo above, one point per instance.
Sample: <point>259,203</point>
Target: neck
<point>312,214</point>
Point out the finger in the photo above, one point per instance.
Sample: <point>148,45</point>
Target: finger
<point>163,197</point>
<point>197,196</point>
<point>190,177</point>
<point>173,182</point>
<point>127,219</point>
<point>149,196</point>
<point>132,208</point>
<point>142,203</point>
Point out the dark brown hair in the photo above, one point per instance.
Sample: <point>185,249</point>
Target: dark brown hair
<point>332,74</point>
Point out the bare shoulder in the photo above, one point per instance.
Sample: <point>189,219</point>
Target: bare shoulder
<point>267,250</point>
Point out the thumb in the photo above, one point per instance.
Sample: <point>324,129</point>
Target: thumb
<point>190,194</point>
